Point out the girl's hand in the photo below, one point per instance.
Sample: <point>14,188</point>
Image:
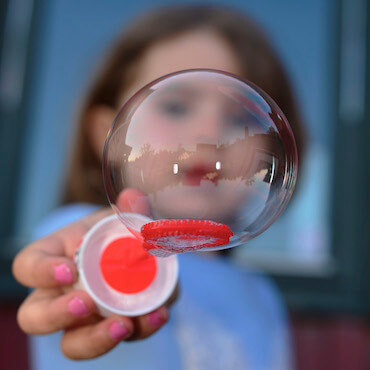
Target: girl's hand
<point>47,265</point>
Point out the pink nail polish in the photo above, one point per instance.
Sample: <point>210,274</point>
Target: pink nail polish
<point>157,318</point>
<point>117,331</point>
<point>63,273</point>
<point>77,307</point>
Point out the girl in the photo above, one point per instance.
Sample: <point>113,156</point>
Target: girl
<point>225,318</point>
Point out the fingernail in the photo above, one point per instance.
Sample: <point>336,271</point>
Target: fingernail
<point>158,318</point>
<point>63,273</point>
<point>117,331</point>
<point>77,307</point>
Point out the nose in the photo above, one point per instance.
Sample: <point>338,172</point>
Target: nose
<point>208,126</point>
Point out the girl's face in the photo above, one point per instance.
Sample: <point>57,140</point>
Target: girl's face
<point>176,135</point>
<point>193,49</point>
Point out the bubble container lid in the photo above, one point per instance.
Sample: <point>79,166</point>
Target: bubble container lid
<point>122,278</point>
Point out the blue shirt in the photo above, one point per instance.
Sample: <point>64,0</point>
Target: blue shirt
<point>226,317</point>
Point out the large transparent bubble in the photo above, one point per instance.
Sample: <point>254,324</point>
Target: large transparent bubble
<point>206,155</point>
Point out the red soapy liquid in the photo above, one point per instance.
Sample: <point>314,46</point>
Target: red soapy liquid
<point>127,267</point>
<point>184,235</point>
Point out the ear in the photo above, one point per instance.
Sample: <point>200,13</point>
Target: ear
<point>100,119</point>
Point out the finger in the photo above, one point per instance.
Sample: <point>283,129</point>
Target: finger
<point>48,262</point>
<point>37,269</point>
<point>94,340</point>
<point>46,311</point>
<point>133,200</point>
<point>147,325</point>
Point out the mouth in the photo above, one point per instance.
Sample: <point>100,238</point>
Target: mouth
<point>195,174</point>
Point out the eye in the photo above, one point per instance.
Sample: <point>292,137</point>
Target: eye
<point>174,108</point>
<point>242,118</point>
<point>239,118</point>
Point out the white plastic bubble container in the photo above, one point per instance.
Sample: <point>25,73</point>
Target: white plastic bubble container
<point>119,275</point>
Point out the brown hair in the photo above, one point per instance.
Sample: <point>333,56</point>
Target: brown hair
<point>258,61</point>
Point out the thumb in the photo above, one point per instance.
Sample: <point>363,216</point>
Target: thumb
<point>134,201</point>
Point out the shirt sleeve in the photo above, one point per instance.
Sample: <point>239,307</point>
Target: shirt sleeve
<point>61,217</point>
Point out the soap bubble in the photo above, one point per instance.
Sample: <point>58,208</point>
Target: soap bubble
<point>208,156</point>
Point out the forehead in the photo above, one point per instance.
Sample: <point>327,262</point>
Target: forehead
<point>193,49</point>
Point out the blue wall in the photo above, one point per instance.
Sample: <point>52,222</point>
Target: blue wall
<point>72,38</point>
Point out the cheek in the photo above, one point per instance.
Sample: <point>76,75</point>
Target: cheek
<point>151,171</point>
<point>242,159</point>
<point>157,131</point>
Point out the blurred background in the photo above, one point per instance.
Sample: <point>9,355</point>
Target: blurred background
<point>319,250</point>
